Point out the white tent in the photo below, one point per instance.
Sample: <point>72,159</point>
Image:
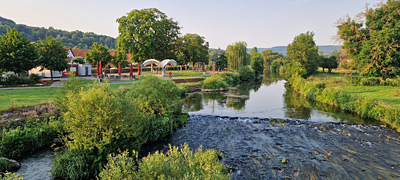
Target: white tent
<point>163,64</point>
<point>151,61</point>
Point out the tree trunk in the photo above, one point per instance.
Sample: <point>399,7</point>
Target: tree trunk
<point>51,75</point>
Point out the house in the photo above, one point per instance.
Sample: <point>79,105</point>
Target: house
<point>78,69</point>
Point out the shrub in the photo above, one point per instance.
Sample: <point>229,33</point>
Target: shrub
<point>371,81</point>
<point>246,74</point>
<point>76,164</point>
<point>100,119</point>
<point>391,82</point>
<point>232,79</point>
<point>5,166</point>
<point>177,163</point>
<point>22,140</point>
<point>154,95</point>
<point>214,83</point>
<point>16,80</point>
<point>35,78</point>
<point>120,166</point>
<point>10,176</point>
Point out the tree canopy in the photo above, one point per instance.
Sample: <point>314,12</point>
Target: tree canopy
<point>191,48</point>
<point>98,53</point>
<point>17,54</point>
<point>147,34</point>
<point>302,55</point>
<point>237,55</point>
<point>373,41</point>
<point>52,55</point>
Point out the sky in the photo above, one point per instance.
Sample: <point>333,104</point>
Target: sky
<point>260,23</point>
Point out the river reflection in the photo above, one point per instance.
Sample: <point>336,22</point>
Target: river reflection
<point>266,98</point>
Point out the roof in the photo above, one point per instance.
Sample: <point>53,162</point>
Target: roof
<point>79,52</point>
<point>165,62</point>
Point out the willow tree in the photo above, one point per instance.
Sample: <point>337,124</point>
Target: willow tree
<point>373,42</point>
<point>237,55</point>
<point>147,34</point>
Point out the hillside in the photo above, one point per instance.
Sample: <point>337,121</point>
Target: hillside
<point>74,39</point>
<point>326,49</point>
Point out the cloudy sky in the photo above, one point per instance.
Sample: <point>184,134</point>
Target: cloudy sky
<point>260,23</point>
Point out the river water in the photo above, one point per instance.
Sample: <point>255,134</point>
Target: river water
<point>260,124</point>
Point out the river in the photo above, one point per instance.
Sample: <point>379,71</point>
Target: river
<point>258,125</point>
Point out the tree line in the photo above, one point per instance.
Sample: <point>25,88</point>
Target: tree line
<point>74,39</point>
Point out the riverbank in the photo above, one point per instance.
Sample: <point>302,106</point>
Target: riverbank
<point>340,93</point>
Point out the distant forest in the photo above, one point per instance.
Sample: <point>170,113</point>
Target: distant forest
<point>75,39</point>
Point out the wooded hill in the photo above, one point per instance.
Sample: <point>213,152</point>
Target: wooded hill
<point>326,49</point>
<point>75,39</point>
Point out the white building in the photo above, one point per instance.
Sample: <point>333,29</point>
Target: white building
<point>79,69</point>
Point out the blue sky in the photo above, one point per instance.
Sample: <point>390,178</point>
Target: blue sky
<point>260,23</point>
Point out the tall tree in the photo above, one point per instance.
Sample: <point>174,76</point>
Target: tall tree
<point>52,55</point>
<point>222,62</point>
<point>373,42</point>
<point>119,57</point>
<point>302,55</point>
<point>98,53</point>
<point>329,63</point>
<point>147,34</point>
<point>191,48</point>
<point>17,54</point>
<point>237,55</point>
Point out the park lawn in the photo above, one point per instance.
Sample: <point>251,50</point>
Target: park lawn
<point>33,96</point>
<point>27,97</point>
<point>387,94</point>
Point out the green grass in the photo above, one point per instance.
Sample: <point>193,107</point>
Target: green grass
<point>26,97</point>
<point>387,94</point>
<point>34,96</point>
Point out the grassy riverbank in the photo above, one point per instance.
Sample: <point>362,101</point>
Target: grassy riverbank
<point>377,102</point>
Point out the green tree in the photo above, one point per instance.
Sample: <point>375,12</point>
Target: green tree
<point>191,48</point>
<point>237,55</point>
<point>373,43</point>
<point>222,62</point>
<point>329,63</point>
<point>52,55</point>
<point>98,53</point>
<point>302,55</point>
<point>147,34</point>
<point>17,54</point>
<point>78,59</point>
<point>119,57</point>
<point>269,56</point>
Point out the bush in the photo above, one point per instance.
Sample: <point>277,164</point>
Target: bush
<point>15,143</point>
<point>371,81</point>
<point>10,176</point>
<point>76,164</point>
<point>177,163</point>
<point>17,80</point>
<point>246,74</point>
<point>232,79</point>
<point>100,119</point>
<point>391,82</point>
<point>214,83</point>
<point>100,122</point>
<point>35,78</point>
